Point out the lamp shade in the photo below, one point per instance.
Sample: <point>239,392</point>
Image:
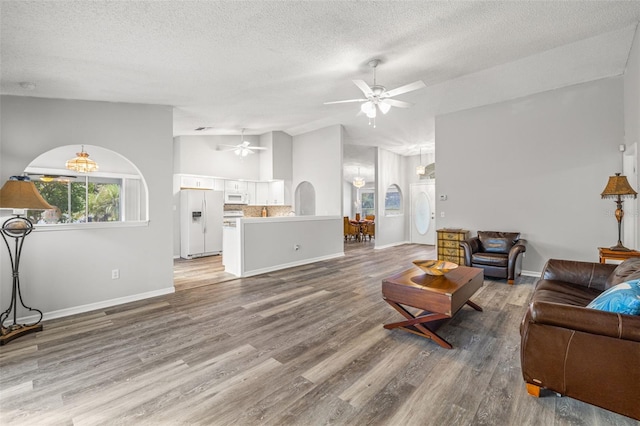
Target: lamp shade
<point>20,193</point>
<point>82,163</point>
<point>618,186</point>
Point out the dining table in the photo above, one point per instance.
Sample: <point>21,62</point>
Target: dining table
<point>362,227</point>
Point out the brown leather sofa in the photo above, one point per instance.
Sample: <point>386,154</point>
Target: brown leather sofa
<point>583,353</point>
<point>498,253</point>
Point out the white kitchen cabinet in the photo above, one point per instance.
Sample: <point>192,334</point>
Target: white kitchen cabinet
<point>196,182</point>
<point>262,193</point>
<point>269,193</point>
<point>218,184</point>
<point>251,193</point>
<point>235,187</point>
<point>276,193</point>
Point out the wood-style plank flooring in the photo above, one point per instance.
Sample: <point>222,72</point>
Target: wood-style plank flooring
<point>302,346</point>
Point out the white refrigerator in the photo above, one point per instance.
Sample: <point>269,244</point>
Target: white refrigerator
<point>200,222</point>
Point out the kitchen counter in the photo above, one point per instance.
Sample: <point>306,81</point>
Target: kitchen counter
<point>285,219</point>
<point>256,245</point>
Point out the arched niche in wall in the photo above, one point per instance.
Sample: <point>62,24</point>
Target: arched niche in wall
<point>305,199</point>
<point>116,193</point>
<point>393,201</point>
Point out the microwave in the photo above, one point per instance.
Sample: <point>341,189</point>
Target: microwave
<point>235,198</point>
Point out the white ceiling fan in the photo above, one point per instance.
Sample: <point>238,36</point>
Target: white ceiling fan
<point>244,148</point>
<point>378,97</point>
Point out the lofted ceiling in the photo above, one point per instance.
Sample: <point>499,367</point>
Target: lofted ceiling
<point>271,65</point>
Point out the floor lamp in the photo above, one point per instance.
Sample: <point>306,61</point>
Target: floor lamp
<point>20,194</point>
<point>618,187</point>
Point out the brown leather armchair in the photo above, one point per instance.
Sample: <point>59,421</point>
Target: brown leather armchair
<point>498,253</point>
<point>583,353</point>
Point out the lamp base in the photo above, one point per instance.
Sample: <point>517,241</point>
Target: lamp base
<point>619,247</point>
<point>17,330</point>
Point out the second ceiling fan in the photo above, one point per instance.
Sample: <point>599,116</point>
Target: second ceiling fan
<point>377,97</point>
<point>244,148</point>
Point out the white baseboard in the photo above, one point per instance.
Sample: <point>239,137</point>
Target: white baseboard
<point>531,274</point>
<point>98,305</point>
<point>399,243</point>
<point>291,264</point>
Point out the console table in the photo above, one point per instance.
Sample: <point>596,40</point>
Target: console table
<point>606,253</point>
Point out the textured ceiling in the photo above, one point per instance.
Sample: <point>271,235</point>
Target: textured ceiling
<point>267,66</point>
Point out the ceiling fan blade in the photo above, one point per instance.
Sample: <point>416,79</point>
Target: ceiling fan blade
<point>226,148</point>
<point>247,145</point>
<point>364,87</point>
<point>397,103</point>
<point>404,89</point>
<point>348,100</point>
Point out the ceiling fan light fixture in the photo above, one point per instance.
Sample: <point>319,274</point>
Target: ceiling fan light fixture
<point>369,108</point>
<point>384,107</point>
<point>366,107</point>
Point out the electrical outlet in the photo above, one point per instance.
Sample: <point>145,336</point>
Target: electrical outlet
<point>115,274</point>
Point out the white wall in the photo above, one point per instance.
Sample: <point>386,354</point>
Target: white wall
<point>349,198</point>
<point>65,270</point>
<point>632,138</point>
<point>317,158</point>
<point>282,156</point>
<point>536,165</point>
<point>199,155</point>
<point>391,169</point>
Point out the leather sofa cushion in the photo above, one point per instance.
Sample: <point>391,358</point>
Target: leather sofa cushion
<point>490,259</point>
<point>564,293</point>
<point>497,242</point>
<point>627,270</point>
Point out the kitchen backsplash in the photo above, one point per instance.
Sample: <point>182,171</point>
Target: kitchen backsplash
<point>256,211</point>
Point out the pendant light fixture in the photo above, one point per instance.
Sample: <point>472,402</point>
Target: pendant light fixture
<point>81,163</point>
<point>358,181</point>
<point>421,170</point>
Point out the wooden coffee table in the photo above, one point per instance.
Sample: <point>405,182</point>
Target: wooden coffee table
<point>439,298</point>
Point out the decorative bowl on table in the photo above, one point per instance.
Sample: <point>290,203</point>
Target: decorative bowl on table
<point>435,267</point>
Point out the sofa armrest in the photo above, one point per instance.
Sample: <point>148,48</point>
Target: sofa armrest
<point>587,274</point>
<point>470,246</point>
<point>586,320</point>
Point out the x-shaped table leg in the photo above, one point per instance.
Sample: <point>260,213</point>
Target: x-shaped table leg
<point>416,322</point>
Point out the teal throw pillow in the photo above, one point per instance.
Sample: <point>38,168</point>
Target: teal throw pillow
<point>623,299</point>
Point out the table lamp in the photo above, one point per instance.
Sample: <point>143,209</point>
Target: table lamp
<point>20,194</point>
<point>618,188</point>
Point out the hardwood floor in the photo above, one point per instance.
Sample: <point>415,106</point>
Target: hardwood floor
<point>198,272</point>
<point>302,346</point>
